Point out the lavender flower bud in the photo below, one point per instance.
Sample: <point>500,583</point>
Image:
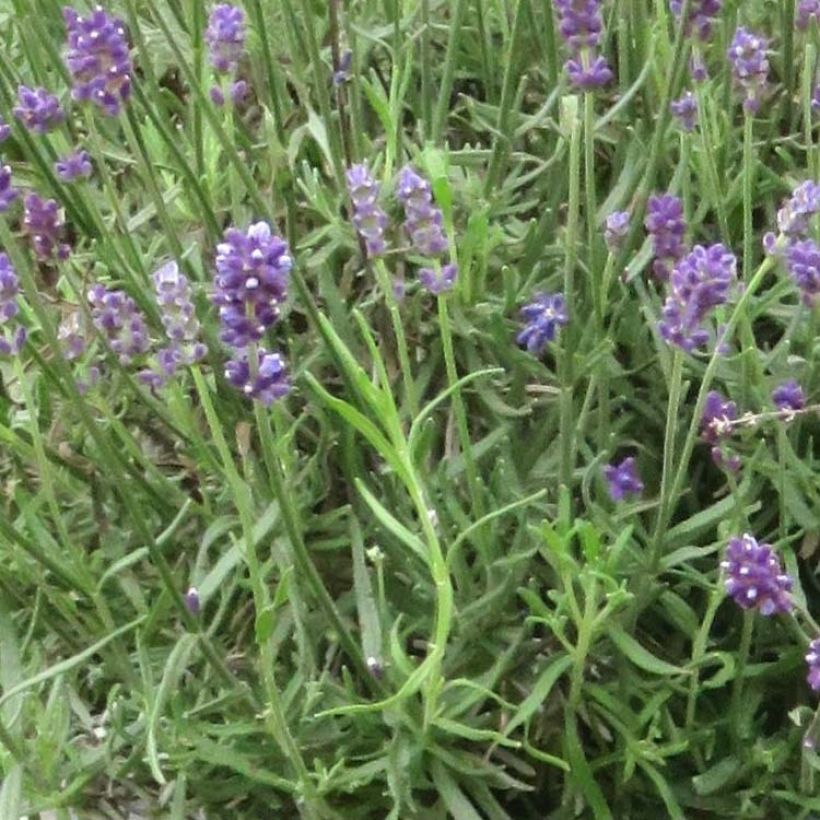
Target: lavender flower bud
<point>8,195</point>
<point>369,219</point>
<point>813,663</point>
<point>12,340</point>
<point>72,337</point>
<point>342,75</point>
<point>269,382</point>
<point>716,428</point>
<point>700,282</point>
<point>192,602</point>
<point>617,228</point>
<point>179,319</point>
<point>803,265</point>
<point>439,279</point>
<point>38,110</point>
<point>750,66</point>
<point>580,25</point>
<point>5,130</point>
<point>806,9</point>
<point>665,224</point>
<point>252,280</point>
<point>74,166</point>
<point>685,111</point>
<point>98,59</point>
<point>789,396</point>
<point>543,316</point>
<point>119,320</point>
<point>43,222</point>
<point>225,37</point>
<point>422,218</point>
<point>701,16</point>
<point>754,577</point>
<point>623,479</point>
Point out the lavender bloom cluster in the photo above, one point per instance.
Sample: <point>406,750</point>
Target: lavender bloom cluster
<point>38,110</point>
<point>542,317</point>
<point>806,10</point>
<point>754,577</point>
<point>13,338</point>
<point>8,194</point>
<point>225,37</point>
<point>581,25</point>
<point>98,59</point>
<point>616,229</point>
<point>716,427</point>
<point>43,222</point>
<point>685,111</point>
<point>5,130</point>
<point>117,317</point>
<point>252,274</point>
<point>789,397</point>
<point>698,284</point>
<point>74,166</point>
<point>697,25</point>
<point>623,479</point>
<point>665,225</point>
<point>368,218</point>
<point>750,66</point>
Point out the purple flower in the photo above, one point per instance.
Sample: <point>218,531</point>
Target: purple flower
<point>38,110</point>
<point>804,203</point>
<point>266,382</point>
<point>698,284</point>
<point>439,279</point>
<point>7,194</point>
<point>5,130</point>
<point>617,228</point>
<point>623,479</point>
<point>543,316</point>
<point>192,601</point>
<point>750,66</point>
<point>716,428</point>
<point>789,396</point>
<point>369,219</point>
<point>700,17</point>
<point>12,340</point>
<point>422,218</point>
<point>754,577</point>
<point>119,320</point>
<point>685,111</point>
<point>803,265</point>
<point>252,273</point>
<point>225,37</point>
<point>665,224</point>
<point>237,92</point>
<point>98,59</point>
<point>342,75</point>
<point>581,25</point>
<point>43,223</point>
<point>813,663</point>
<point>74,166</point>
<point>72,337</point>
<point>807,9</point>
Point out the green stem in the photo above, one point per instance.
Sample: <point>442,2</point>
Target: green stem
<point>446,86</point>
<point>748,187</point>
<point>738,712</point>
<point>593,238</point>
<point>426,67</point>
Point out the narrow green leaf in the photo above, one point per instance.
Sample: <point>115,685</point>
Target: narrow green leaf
<point>641,657</point>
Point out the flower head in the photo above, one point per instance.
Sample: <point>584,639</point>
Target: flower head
<point>665,224</point>
<point>13,339</point>
<point>754,577</point>
<point>5,130</point>
<point>542,317</point>
<point>119,320</point>
<point>789,396</point>
<point>439,279</point>
<point>803,265</point>
<point>813,663</point>
<point>422,218</point>
<point>74,166</point>
<point>806,9</point>
<point>623,479</point>
<point>750,66</point>
<point>685,111</point>
<point>617,227</point>
<point>8,195</point>
<point>698,284</point>
<point>43,223</point>
<point>700,17</point>
<point>192,601</point>
<point>252,274</point>
<point>581,25</point>
<point>369,219</point>
<point>265,383</point>
<point>716,426</point>
<point>98,59</point>
<point>225,37</point>
<point>38,110</point>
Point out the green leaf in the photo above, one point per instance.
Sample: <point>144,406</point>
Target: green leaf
<point>558,665</point>
<point>392,524</point>
<point>457,803</point>
<point>641,657</point>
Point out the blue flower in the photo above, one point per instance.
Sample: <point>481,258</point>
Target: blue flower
<point>623,479</point>
<point>543,316</point>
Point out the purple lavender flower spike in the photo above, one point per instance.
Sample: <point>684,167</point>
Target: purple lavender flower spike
<point>813,664</point>
<point>271,381</point>
<point>43,223</point>
<point>665,224</point>
<point>98,59</point>
<point>700,18</point>
<point>38,110</point>
<point>543,316</point>
<point>422,218</point>
<point>72,337</point>
<point>623,479</point>
<point>8,195</point>
<point>369,219</point>
<point>716,426</point>
<point>806,10</point>
<point>581,25</point>
<point>13,339</point>
<point>179,319</point>
<point>754,577</point>
<point>225,37</point>
<point>789,396</point>
<point>74,166</point>
<point>192,601</point>
<point>803,265</point>
<point>5,130</point>
<point>793,218</point>
<point>698,284</point>
<point>117,317</point>
<point>750,66</point>
<point>685,111</point>
<point>616,230</point>
<point>438,280</point>
<point>251,283</point>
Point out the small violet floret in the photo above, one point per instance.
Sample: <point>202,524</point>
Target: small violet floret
<point>12,334</point>
<point>623,479</point>
<point>789,396</point>
<point>813,664</point>
<point>38,110</point>
<point>74,166</point>
<point>665,225</point>
<point>616,229</point>
<point>754,577</point>
<point>8,194</point>
<point>43,223</point>
<point>542,318</point>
